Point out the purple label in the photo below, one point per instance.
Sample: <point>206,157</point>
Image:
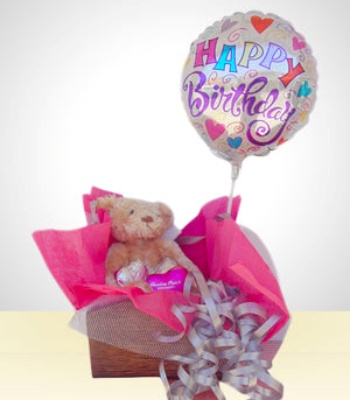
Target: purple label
<point>171,280</point>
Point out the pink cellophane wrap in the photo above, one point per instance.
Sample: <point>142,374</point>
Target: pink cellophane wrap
<point>225,253</point>
<point>219,248</point>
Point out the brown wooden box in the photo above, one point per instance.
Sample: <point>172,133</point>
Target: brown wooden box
<point>111,361</point>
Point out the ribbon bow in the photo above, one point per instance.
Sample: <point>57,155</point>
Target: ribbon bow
<point>226,335</point>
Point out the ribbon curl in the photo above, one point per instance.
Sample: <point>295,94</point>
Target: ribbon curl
<point>226,335</point>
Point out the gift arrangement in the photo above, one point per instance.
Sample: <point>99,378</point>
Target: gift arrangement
<point>201,305</point>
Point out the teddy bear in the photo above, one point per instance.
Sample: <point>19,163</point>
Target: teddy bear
<point>140,248</point>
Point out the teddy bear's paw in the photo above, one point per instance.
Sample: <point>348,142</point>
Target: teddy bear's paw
<point>166,265</point>
<point>111,281</point>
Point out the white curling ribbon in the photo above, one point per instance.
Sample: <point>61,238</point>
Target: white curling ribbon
<point>179,314</point>
<point>235,354</point>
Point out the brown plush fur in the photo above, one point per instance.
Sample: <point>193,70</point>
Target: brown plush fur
<point>138,226</point>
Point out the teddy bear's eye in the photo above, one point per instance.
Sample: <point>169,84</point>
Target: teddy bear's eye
<point>131,212</point>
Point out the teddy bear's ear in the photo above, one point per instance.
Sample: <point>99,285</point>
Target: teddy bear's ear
<point>106,203</point>
<point>166,212</point>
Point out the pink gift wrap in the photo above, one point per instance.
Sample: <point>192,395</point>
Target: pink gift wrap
<point>218,247</point>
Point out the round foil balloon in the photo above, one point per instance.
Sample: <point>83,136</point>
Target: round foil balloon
<point>248,84</point>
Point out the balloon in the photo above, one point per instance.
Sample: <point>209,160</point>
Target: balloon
<point>248,84</point>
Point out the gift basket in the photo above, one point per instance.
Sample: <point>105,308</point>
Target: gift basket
<point>202,305</point>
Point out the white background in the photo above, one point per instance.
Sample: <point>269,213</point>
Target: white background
<point>90,95</point>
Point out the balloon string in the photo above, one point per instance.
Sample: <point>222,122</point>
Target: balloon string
<point>234,176</point>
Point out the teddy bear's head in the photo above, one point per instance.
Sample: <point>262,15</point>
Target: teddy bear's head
<point>134,219</point>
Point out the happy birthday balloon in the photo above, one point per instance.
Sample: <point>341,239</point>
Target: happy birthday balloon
<point>248,85</point>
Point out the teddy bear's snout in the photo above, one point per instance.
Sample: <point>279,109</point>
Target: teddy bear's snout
<point>148,219</point>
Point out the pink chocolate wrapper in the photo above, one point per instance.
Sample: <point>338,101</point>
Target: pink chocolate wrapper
<point>218,247</point>
<point>171,280</point>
